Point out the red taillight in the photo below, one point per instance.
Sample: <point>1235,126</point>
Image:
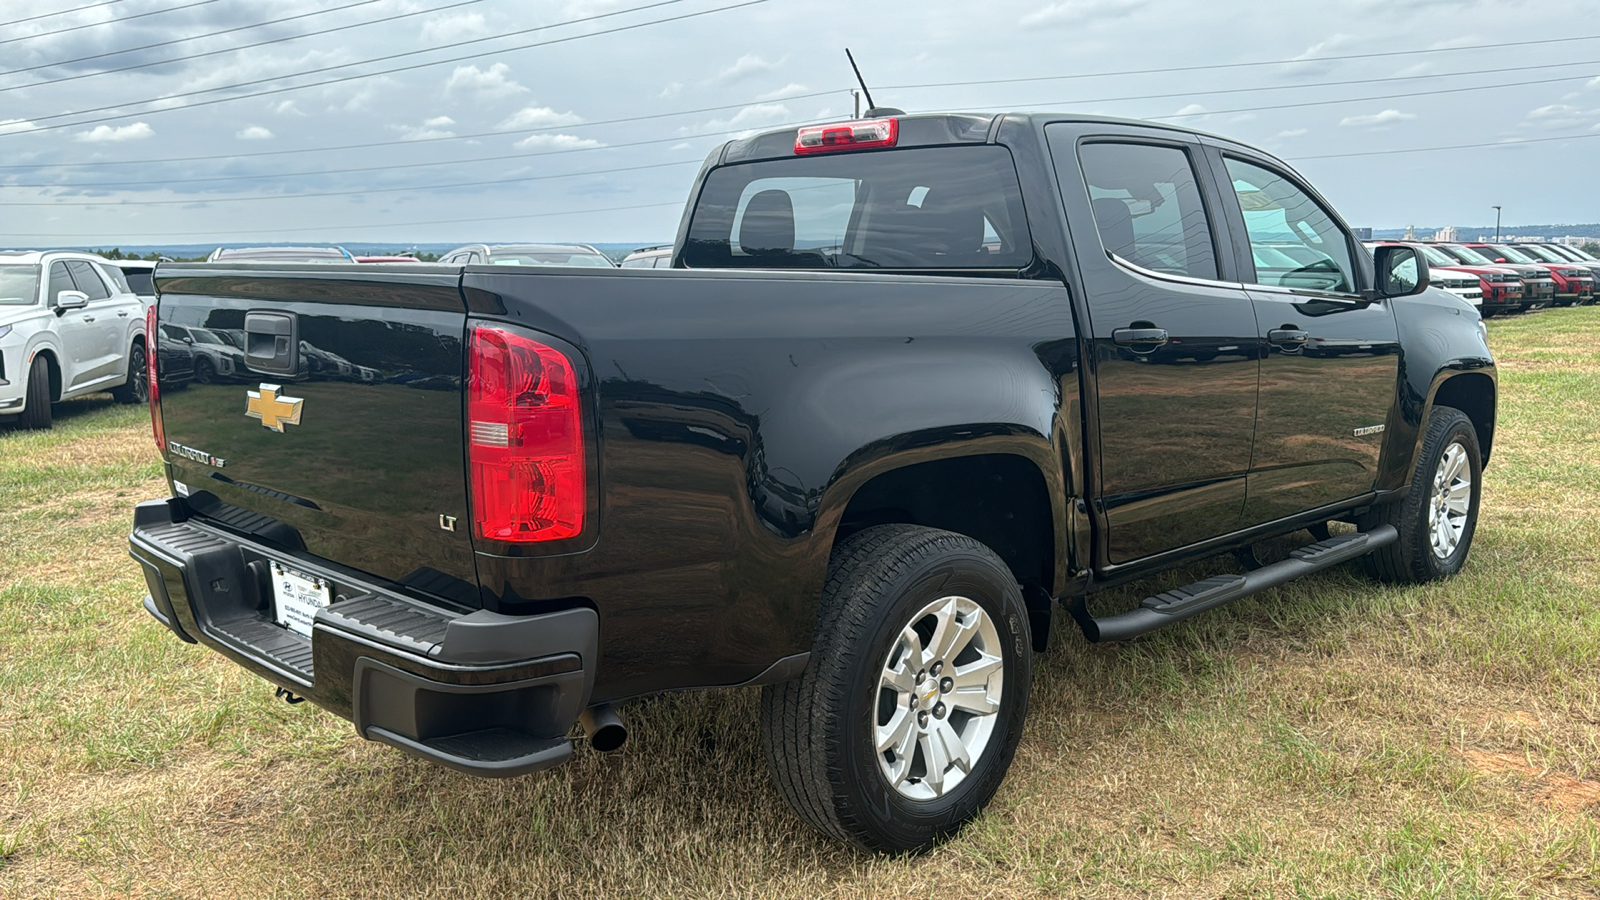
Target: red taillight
<point>150,376</point>
<point>524,439</point>
<point>862,134</point>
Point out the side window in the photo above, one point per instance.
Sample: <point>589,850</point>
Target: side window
<point>59,281</point>
<point>639,262</point>
<point>1147,207</point>
<point>1294,242</point>
<point>116,276</point>
<point>87,279</point>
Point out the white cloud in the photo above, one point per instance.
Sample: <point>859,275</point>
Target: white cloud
<point>749,117</point>
<point>1292,132</point>
<point>448,29</point>
<point>683,146</point>
<point>436,127</point>
<point>537,117</point>
<point>1315,50</point>
<point>491,82</point>
<point>1192,109</point>
<point>1382,118</point>
<point>253,133</point>
<point>788,90</point>
<point>100,134</point>
<point>556,142</point>
<point>16,126</point>
<point>287,107</point>
<point>671,90</point>
<point>1075,12</point>
<point>745,66</point>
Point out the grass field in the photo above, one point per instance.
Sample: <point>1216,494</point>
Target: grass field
<point>1332,738</point>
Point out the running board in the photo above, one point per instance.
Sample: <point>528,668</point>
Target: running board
<point>1181,603</point>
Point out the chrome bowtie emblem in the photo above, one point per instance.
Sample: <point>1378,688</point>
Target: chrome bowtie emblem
<point>273,411</point>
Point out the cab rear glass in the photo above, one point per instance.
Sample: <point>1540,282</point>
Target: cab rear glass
<point>924,208</point>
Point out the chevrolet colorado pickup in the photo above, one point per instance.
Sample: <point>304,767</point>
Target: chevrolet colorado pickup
<point>910,383</point>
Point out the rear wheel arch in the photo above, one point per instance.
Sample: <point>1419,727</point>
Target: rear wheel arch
<point>1002,500</point>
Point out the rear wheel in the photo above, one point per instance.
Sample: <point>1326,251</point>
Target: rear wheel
<point>137,387</point>
<point>36,413</point>
<point>909,711</point>
<point>204,371</point>
<point>1437,519</point>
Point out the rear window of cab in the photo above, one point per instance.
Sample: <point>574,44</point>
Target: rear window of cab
<point>922,208</point>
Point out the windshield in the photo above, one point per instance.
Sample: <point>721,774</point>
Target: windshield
<point>553,256</point>
<point>924,208</point>
<point>205,337</point>
<point>1467,254</point>
<point>19,285</point>
<point>1437,257</point>
<point>1540,253</point>
<point>1503,252</point>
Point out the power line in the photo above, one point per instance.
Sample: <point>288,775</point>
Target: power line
<point>1515,142</point>
<point>359,191</point>
<point>372,168</point>
<point>155,12</point>
<point>408,68</point>
<point>475,219</point>
<point>59,12</point>
<point>224,50</point>
<point>1309,103</point>
<point>1165,70</point>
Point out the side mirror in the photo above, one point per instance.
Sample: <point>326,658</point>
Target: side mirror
<point>70,300</point>
<point>1401,272</point>
<point>1500,259</point>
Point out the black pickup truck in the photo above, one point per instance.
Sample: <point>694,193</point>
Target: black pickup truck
<point>911,382</point>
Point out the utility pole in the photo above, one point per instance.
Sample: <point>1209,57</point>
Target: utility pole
<point>857,96</point>
<point>1497,224</point>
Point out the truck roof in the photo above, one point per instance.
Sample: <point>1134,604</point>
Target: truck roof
<point>929,129</point>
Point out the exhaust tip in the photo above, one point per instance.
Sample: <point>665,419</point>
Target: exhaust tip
<point>604,728</point>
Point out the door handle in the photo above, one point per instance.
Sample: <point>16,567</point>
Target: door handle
<point>1129,336</point>
<point>122,314</point>
<point>88,318</point>
<point>1287,336</point>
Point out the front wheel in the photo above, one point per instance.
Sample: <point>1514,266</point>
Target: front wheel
<point>36,410</point>
<point>1437,519</point>
<point>908,713</point>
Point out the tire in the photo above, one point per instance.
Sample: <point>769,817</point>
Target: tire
<point>1425,552</point>
<point>36,410</point>
<point>137,387</point>
<point>821,729</point>
<point>204,371</point>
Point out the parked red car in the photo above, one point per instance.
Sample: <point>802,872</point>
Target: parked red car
<point>1549,254</point>
<point>1572,283</point>
<point>1502,287</point>
<point>1538,288</point>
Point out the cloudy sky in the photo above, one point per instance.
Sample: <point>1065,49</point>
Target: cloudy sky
<point>179,121</point>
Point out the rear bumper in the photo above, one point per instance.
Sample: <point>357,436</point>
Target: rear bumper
<point>481,693</point>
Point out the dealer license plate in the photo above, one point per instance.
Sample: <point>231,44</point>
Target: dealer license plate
<point>296,597</point>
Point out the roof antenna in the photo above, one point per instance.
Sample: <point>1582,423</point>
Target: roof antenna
<point>873,110</point>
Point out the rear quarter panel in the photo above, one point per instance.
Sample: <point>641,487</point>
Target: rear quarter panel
<point>738,413</point>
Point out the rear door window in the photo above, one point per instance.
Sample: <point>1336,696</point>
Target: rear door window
<point>87,279</point>
<point>924,208</point>
<point>1147,207</point>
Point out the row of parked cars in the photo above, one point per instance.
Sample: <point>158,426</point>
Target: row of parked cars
<point>1507,278</point>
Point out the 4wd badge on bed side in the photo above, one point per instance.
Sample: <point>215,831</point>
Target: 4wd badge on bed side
<point>273,411</point>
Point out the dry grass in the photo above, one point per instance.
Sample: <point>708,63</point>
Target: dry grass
<point>1332,738</point>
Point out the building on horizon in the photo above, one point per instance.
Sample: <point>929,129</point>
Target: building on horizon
<point>1446,234</point>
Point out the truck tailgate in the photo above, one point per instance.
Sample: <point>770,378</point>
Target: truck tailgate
<point>331,423</point>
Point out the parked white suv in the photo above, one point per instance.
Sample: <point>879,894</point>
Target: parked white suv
<point>69,325</point>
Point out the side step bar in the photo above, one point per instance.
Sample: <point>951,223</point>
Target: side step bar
<point>1181,603</point>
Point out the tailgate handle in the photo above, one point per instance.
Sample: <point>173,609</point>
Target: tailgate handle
<point>272,342</point>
